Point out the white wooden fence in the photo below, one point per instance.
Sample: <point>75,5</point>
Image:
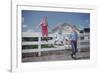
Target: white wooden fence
<point>39,43</point>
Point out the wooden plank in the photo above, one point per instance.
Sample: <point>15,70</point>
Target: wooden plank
<point>50,49</point>
<point>36,43</point>
<point>29,43</point>
<point>43,49</point>
<point>35,34</point>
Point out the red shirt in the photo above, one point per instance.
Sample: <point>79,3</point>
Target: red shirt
<point>44,29</point>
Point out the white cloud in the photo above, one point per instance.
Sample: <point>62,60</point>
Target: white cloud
<point>30,30</point>
<point>24,26</point>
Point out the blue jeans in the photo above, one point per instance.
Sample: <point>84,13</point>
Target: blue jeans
<point>74,47</point>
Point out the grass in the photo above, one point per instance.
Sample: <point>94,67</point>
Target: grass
<point>47,46</point>
<point>43,46</point>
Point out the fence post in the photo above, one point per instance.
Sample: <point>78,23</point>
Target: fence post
<point>78,43</point>
<point>39,45</point>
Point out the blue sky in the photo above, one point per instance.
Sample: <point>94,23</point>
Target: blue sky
<point>31,19</point>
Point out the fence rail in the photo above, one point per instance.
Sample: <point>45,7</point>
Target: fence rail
<point>39,43</point>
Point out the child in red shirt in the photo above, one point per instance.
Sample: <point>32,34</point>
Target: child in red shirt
<point>44,26</point>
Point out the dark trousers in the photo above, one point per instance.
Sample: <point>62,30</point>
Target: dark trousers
<point>74,47</point>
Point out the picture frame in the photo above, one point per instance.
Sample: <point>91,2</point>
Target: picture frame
<point>16,57</point>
